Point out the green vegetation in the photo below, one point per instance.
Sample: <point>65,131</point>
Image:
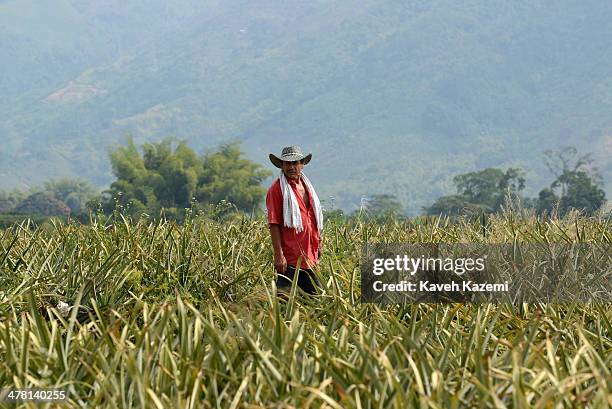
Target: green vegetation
<point>227,176</point>
<point>484,191</point>
<point>170,182</point>
<point>43,204</point>
<point>579,193</point>
<point>173,179</point>
<point>578,181</point>
<point>167,180</point>
<point>8,200</point>
<point>75,193</point>
<point>380,207</point>
<point>489,190</point>
<point>61,199</point>
<point>162,315</point>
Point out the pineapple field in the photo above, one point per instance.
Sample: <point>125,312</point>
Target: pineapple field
<point>146,313</point>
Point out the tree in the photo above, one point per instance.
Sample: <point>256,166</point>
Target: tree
<point>75,193</point>
<point>169,178</point>
<point>130,186</point>
<point>454,205</point>
<point>567,159</point>
<point>577,181</point>
<point>42,203</point>
<point>174,175</point>
<point>226,175</point>
<point>162,177</point>
<point>481,191</point>
<point>8,200</point>
<point>578,191</point>
<point>490,186</point>
<point>547,200</point>
<point>381,206</point>
<point>6,205</point>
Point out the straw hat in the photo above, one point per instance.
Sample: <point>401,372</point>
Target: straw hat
<point>290,154</point>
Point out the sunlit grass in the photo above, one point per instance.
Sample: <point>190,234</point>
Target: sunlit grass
<point>184,316</point>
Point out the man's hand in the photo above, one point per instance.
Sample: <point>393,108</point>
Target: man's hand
<point>280,263</point>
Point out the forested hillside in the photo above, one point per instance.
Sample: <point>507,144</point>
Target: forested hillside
<point>391,97</point>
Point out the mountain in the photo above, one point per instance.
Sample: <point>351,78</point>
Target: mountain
<point>391,97</point>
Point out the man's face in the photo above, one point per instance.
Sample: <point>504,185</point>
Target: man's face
<point>293,170</point>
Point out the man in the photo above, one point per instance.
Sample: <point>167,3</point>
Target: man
<point>295,220</point>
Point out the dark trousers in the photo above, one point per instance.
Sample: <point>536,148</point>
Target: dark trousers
<point>307,280</point>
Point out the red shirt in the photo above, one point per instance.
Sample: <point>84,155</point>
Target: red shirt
<point>294,245</point>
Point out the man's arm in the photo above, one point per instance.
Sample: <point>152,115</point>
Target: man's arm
<point>280,263</point>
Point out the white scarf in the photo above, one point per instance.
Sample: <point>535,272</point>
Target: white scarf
<point>291,208</point>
